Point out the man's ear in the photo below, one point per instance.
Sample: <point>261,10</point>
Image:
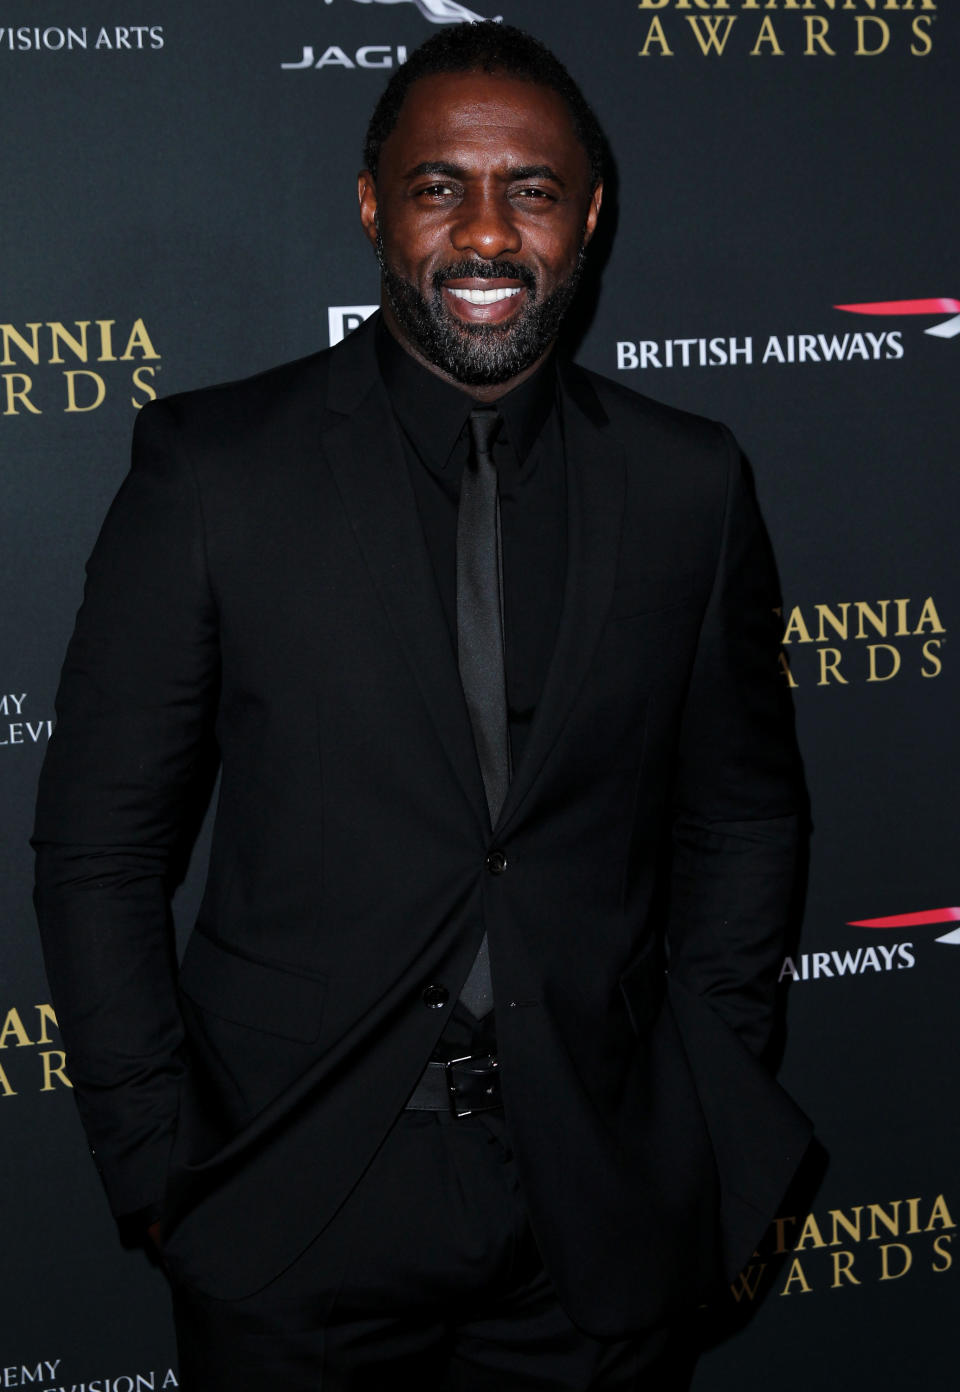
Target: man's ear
<point>367,193</point>
<point>593,212</point>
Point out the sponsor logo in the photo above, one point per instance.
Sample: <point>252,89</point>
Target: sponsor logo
<point>922,919</point>
<point>783,349</point>
<point>16,729</point>
<point>841,1247</point>
<point>818,966</point>
<point>333,56</point>
<point>40,371</point>
<point>343,319</point>
<point>436,11</point>
<point>24,1030</point>
<point>42,1373</point>
<point>947,328</point>
<point>747,351</point>
<point>53,38</point>
<point>797,28</point>
<point>860,961</point>
<point>862,642</point>
<point>381,55</point>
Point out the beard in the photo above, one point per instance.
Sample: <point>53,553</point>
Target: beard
<point>478,354</point>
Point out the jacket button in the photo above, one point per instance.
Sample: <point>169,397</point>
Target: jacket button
<point>496,862</point>
<point>435,996</point>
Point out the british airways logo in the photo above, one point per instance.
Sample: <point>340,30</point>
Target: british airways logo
<point>870,959</point>
<point>923,918</point>
<point>947,328</point>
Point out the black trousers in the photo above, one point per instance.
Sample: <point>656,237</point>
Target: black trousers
<point>428,1278</point>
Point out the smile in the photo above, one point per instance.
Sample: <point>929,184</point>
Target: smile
<point>484,296</point>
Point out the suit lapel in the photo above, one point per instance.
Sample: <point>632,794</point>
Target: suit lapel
<point>595,496</point>
<point>361,441</point>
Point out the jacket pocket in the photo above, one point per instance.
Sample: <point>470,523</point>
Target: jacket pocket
<point>275,1000</point>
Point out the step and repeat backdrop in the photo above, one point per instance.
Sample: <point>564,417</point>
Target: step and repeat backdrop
<point>179,207</point>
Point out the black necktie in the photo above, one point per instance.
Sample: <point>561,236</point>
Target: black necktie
<point>480,646</point>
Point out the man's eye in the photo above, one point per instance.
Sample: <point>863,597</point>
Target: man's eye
<point>534,193</point>
<point>437,191</point>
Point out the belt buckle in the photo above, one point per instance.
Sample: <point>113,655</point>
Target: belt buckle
<point>448,1067</point>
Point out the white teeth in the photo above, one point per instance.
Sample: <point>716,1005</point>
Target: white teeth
<point>485,296</point>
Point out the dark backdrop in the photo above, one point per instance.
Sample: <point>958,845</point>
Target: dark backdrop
<point>179,207</point>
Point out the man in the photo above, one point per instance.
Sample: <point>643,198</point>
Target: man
<point>486,646</point>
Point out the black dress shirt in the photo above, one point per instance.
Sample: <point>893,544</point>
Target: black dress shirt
<point>531,478</point>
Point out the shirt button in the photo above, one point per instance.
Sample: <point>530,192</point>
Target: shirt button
<point>435,997</point>
<point>496,862</point>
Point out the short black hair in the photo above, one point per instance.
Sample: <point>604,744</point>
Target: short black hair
<point>485,47</point>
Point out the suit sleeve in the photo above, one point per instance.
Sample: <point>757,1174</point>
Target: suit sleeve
<point>134,716</point>
<point>739,792</point>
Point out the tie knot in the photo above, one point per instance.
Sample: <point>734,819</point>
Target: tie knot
<point>484,424</point>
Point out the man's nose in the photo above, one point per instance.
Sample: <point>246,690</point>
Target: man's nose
<point>485,225</point>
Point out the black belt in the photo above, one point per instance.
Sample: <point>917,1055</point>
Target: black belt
<point>460,1086</point>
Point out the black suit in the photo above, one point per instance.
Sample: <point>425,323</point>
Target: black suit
<point>262,581</point>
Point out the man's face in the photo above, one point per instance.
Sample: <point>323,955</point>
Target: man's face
<point>481,209</point>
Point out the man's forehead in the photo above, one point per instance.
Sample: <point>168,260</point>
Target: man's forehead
<point>446,111</point>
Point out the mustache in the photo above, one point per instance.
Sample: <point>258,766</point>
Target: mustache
<point>486,270</point>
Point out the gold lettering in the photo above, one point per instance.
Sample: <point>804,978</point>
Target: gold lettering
<point>53,1070</point>
<point>14,1025</point>
<point>809,1232</point>
<point>747,1284</point>
<point>139,338</point>
<point>861,49</point>
<point>885,1249</point>
<point>146,387</point>
<point>710,37</point>
<point>796,625</point>
<point>656,35</point>
<point>106,339</point>
<point>850,1226</point>
<point>795,1274</point>
<point>877,621</point>
<point>929,615</point>
<point>830,666</point>
<point>100,388</point>
<point>913,1208</point>
<point>5,1089</point>
<point>77,346</point>
<point>923,35</point>
<point>901,606</point>
<point>31,350</point>
<point>873,649</point>
<point>943,1252</point>
<point>828,616</point>
<point>891,1222</point>
<point>817,28</point>
<point>47,1017</point>
<point>843,1269</point>
<point>780,1224</point>
<point>931,656</point>
<point>768,35</point>
<point>21,393</point>
<point>940,1213</point>
<point>785,667</point>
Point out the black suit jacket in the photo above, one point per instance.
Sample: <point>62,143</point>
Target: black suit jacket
<point>262,582</point>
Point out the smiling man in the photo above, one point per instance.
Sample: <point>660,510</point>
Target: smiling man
<point>460,1084</point>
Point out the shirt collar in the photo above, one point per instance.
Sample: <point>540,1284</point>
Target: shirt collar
<point>433,413</point>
